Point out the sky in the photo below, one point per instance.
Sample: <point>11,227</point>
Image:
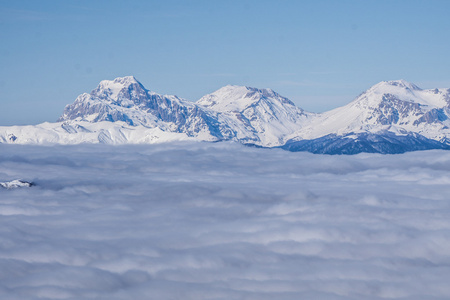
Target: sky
<point>320,54</point>
<point>222,221</point>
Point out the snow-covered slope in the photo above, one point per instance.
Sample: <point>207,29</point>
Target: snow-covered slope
<point>78,132</point>
<point>258,116</point>
<point>395,106</point>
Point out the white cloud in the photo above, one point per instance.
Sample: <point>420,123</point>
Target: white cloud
<point>222,221</point>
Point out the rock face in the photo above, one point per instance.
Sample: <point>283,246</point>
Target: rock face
<point>390,117</point>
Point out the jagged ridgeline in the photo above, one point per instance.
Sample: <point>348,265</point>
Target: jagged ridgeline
<point>232,113</point>
<point>390,117</point>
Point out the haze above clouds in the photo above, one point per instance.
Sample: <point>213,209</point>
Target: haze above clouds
<point>222,221</point>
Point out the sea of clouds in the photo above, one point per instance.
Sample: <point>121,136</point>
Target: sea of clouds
<point>222,221</point>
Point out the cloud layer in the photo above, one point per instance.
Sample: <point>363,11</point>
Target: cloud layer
<point>222,221</point>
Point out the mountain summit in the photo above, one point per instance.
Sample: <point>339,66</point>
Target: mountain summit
<point>398,106</point>
<point>120,88</point>
<point>238,98</point>
<point>259,116</point>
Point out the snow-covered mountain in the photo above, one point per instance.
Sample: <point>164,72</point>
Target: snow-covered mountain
<point>123,111</point>
<point>390,117</point>
<point>395,114</point>
<point>259,116</point>
<point>125,99</point>
<point>396,106</point>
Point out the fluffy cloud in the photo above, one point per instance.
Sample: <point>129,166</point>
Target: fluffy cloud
<point>222,221</point>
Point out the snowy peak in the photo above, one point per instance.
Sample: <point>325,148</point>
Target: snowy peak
<point>119,82</point>
<point>397,106</point>
<point>403,93</point>
<point>397,83</point>
<point>125,99</point>
<point>399,89</point>
<point>233,98</point>
<point>119,89</point>
<point>258,116</point>
<point>122,99</point>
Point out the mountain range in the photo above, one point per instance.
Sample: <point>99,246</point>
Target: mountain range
<point>390,117</point>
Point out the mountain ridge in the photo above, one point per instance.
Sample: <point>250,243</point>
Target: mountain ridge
<point>123,111</point>
<point>245,119</point>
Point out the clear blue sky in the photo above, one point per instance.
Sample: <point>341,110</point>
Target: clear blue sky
<point>320,54</point>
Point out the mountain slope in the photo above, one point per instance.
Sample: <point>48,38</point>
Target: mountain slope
<point>258,116</point>
<point>396,106</point>
<point>384,142</point>
<point>79,132</point>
